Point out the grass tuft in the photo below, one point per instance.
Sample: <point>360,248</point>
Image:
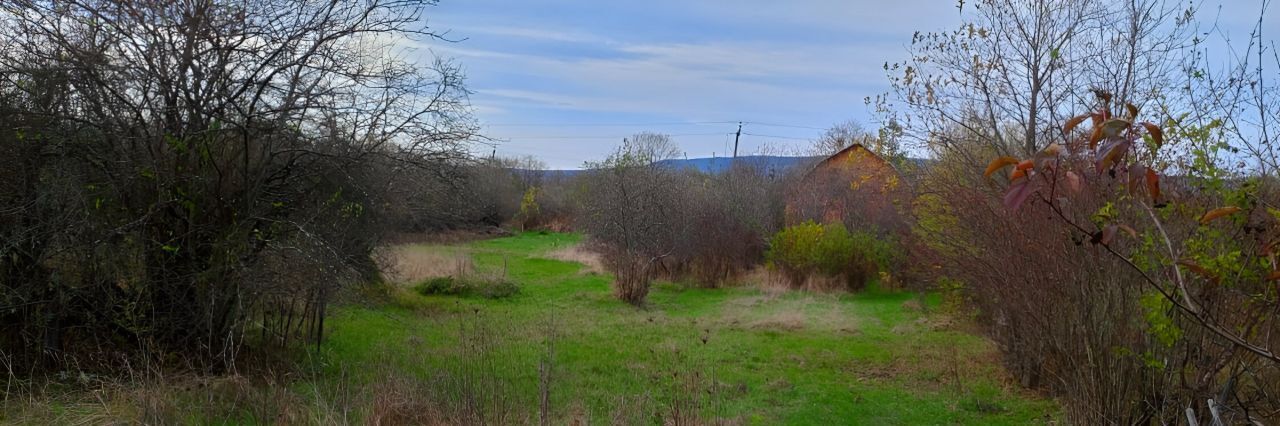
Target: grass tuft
<point>468,286</point>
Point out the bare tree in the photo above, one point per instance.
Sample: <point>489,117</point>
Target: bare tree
<point>841,136</point>
<point>1010,75</point>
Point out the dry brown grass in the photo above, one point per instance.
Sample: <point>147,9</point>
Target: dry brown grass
<point>454,236</point>
<point>591,261</point>
<point>771,312</point>
<point>409,264</point>
<point>781,321</point>
<point>774,282</point>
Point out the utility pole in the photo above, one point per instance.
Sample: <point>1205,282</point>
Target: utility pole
<point>735,140</point>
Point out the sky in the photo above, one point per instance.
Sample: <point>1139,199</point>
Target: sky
<point>565,80</point>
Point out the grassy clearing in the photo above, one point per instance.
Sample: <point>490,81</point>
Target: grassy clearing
<point>790,358</point>
<point>728,356</point>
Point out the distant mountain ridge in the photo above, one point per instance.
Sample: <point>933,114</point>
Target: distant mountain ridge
<point>770,163</point>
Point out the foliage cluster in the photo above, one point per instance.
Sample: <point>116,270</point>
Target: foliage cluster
<point>808,249</point>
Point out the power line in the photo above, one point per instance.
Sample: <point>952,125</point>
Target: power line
<point>509,138</point>
<point>783,125</point>
<point>778,137</point>
<point>654,123</point>
<point>667,123</point>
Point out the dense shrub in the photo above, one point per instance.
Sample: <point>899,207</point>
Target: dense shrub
<point>1073,317</point>
<point>186,180</point>
<point>630,204</point>
<point>468,286</point>
<point>725,218</point>
<point>809,249</point>
<point>649,220</point>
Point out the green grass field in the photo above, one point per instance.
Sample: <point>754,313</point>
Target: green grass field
<point>692,356</point>
<point>736,354</point>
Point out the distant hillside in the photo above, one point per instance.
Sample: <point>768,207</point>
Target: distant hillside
<point>771,163</point>
<point>774,164</point>
<point>719,164</point>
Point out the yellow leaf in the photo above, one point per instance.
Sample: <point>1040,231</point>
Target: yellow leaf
<point>1053,150</point>
<point>1217,213</point>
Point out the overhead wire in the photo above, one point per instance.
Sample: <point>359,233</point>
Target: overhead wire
<point>660,123</point>
<point>782,125</point>
<point>776,136</point>
<point>605,136</point>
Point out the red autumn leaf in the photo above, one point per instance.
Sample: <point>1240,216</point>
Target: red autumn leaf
<point>1017,194</point>
<point>1073,122</point>
<point>1269,252</point>
<point>1133,110</point>
<point>1217,213</point>
<point>1153,184</point>
<point>1157,134</point>
<point>1129,230</point>
<point>998,164</point>
<point>1136,173</point>
<point>1198,270</point>
<point>1095,136</point>
<point>1075,182</point>
<point>1108,234</point>
<point>1111,153</point>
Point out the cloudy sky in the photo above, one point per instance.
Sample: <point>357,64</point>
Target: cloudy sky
<point>566,80</point>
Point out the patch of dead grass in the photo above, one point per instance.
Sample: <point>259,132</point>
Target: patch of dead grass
<point>591,262</point>
<point>781,321</point>
<point>769,311</point>
<point>412,264</point>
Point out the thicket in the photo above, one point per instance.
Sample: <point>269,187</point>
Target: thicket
<point>652,221</point>
<point>184,181</point>
<point>1120,246</point>
<point>465,193</point>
